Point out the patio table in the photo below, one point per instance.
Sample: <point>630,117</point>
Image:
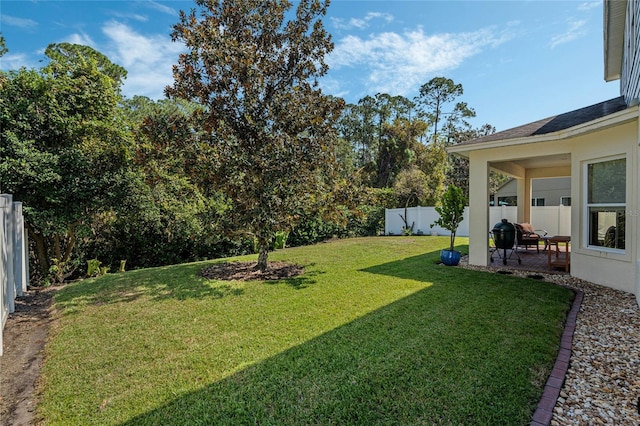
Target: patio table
<point>558,261</point>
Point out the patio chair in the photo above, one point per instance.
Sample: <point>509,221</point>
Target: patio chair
<point>526,236</point>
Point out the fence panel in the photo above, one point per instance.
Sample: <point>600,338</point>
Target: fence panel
<point>13,258</point>
<point>421,218</point>
<point>556,220</point>
<point>497,213</point>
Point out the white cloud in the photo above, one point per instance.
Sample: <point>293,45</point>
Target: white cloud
<point>333,87</point>
<point>360,23</point>
<point>16,61</point>
<point>398,63</point>
<point>148,59</point>
<point>576,30</point>
<point>83,39</point>
<point>133,16</point>
<point>162,8</point>
<point>18,22</point>
<point>590,5</point>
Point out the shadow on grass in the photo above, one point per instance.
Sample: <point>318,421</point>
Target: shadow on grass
<point>423,267</point>
<point>465,350</point>
<point>300,282</point>
<point>178,282</point>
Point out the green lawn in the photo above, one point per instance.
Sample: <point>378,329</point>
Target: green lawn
<point>373,333</point>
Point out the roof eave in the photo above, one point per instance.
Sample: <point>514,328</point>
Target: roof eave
<point>614,21</point>
<point>611,120</point>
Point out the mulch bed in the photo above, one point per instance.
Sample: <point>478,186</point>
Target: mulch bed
<point>246,271</point>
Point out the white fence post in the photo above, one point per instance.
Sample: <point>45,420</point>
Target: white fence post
<point>19,249</point>
<point>9,283</point>
<point>6,287</point>
<point>4,308</point>
<point>564,220</point>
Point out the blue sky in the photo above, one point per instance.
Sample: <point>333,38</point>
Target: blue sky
<point>518,61</point>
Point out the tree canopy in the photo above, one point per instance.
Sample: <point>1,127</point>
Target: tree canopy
<point>246,145</point>
<point>270,126</point>
<point>63,146</point>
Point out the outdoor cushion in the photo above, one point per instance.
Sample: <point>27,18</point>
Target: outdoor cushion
<point>526,237</point>
<point>527,227</point>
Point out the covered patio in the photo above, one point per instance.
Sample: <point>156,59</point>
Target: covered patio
<point>596,147</point>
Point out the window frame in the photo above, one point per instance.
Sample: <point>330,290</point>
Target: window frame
<point>565,197</point>
<point>614,206</point>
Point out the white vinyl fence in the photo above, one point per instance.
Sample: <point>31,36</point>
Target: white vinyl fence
<point>13,257</point>
<point>421,218</point>
<point>555,220</point>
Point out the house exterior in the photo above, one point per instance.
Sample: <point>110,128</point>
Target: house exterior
<point>597,147</point>
<point>544,192</point>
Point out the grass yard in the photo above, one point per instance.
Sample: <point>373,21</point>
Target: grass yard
<point>374,332</point>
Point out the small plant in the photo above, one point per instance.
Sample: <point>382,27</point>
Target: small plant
<point>93,268</point>
<point>407,231</point>
<point>59,271</point>
<point>451,209</point>
<point>281,239</point>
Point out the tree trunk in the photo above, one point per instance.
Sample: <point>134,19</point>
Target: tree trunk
<point>263,254</point>
<point>41,250</point>
<point>71,243</point>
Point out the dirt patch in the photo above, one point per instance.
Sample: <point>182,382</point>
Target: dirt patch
<point>24,337</point>
<point>246,271</point>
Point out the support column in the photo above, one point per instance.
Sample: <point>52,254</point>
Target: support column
<point>524,199</point>
<point>478,210</point>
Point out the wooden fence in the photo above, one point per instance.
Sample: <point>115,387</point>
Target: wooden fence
<point>14,264</point>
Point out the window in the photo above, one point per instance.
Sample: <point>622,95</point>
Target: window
<point>537,202</point>
<point>565,201</point>
<point>508,201</point>
<point>606,203</point>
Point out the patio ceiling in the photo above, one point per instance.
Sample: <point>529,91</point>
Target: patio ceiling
<point>543,161</point>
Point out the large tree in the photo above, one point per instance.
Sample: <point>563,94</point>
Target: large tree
<point>382,131</point>
<point>410,187</point>
<point>437,99</point>
<point>458,168</point>
<point>63,146</point>
<point>164,216</point>
<point>3,45</point>
<point>271,128</point>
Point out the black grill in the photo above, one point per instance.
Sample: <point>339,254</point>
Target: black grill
<point>503,235</point>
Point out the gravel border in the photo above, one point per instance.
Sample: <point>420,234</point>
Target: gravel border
<point>545,409</point>
<point>602,381</point>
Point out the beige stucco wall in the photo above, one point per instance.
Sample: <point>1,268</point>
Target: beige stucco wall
<point>613,269</point>
<point>609,268</point>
